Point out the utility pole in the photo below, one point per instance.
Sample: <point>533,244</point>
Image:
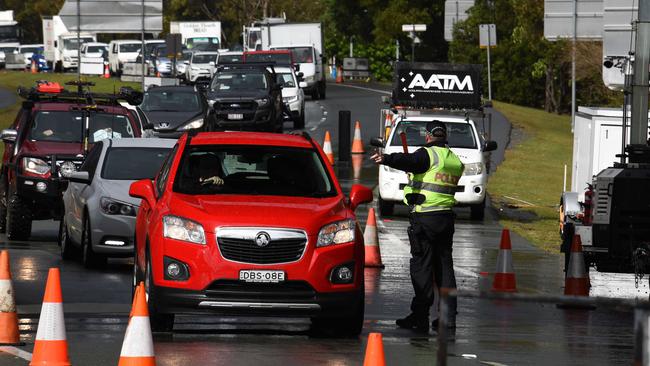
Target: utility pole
<point>143,46</point>
<point>397,50</point>
<point>79,40</point>
<point>488,62</point>
<point>573,64</point>
<point>639,123</point>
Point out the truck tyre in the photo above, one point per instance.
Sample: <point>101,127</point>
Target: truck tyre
<point>386,208</point>
<point>477,212</point>
<point>89,258</point>
<point>58,66</point>
<point>19,219</point>
<point>322,90</point>
<point>159,322</point>
<point>315,93</point>
<point>345,327</point>
<point>299,122</point>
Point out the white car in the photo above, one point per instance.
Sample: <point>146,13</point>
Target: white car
<point>28,50</point>
<point>122,51</point>
<point>201,66</point>
<point>293,95</point>
<point>94,50</point>
<point>464,140</point>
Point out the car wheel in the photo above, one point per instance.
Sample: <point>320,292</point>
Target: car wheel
<point>19,219</point>
<point>346,327</point>
<point>386,208</point>
<point>159,322</point>
<point>89,258</point>
<point>299,123</point>
<point>477,212</point>
<point>137,277</point>
<point>67,249</point>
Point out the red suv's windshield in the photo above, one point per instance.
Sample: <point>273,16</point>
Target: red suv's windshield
<point>67,126</point>
<point>259,170</point>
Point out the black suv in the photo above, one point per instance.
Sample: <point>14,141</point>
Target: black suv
<point>173,110</point>
<point>47,142</point>
<point>246,97</point>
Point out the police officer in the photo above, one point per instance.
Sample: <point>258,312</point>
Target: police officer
<point>434,171</point>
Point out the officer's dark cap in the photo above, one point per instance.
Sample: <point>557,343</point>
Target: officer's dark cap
<point>437,128</point>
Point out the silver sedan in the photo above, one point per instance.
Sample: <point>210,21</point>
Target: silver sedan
<point>99,217</point>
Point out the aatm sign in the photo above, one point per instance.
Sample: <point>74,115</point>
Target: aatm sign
<point>437,85</point>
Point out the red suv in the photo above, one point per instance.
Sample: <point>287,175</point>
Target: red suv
<point>250,223</point>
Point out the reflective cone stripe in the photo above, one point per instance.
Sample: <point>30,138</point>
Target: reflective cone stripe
<point>577,280</point>
<point>504,278</point>
<point>327,147</point>
<point>357,144</point>
<point>357,163</point>
<point>137,348</point>
<point>374,351</point>
<point>51,347</point>
<point>9,334</point>
<point>371,241</point>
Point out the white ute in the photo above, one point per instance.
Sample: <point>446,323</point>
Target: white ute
<point>464,140</point>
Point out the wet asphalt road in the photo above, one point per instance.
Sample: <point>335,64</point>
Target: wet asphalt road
<point>97,302</point>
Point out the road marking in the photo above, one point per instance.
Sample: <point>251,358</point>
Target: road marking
<point>517,199</point>
<point>17,352</point>
<point>364,88</point>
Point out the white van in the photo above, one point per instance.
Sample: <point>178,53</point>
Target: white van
<point>121,52</point>
<point>464,140</point>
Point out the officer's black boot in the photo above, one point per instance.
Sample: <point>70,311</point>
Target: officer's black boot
<point>414,321</point>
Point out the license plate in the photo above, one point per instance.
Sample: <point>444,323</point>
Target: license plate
<point>261,276</point>
<point>235,116</point>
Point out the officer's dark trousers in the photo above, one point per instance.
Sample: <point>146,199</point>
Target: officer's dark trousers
<point>431,236</point>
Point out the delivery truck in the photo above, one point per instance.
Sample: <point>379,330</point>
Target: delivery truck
<point>200,36</point>
<point>61,45</point>
<point>9,35</point>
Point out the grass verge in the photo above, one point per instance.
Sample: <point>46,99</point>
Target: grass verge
<point>527,186</point>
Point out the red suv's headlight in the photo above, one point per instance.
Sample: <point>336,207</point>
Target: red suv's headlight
<point>36,167</point>
<point>336,233</point>
<point>179,228</point>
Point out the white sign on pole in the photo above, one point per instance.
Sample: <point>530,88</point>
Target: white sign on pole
<point>108,16</point>
<point>414,27</point>
<point>487,35</point>
<point>455,11</point>
<point>558,19</point>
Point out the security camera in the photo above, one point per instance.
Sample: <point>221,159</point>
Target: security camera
<point>608,63</point>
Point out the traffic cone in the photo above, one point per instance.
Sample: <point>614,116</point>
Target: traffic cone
<point>137,348</point>
<point>327,147</point>
<point>371,241</point>
<point>107,74</point>
<point>51,347</point>
<point>357,144</point>
<point>504,278</point>
<point>577,280</point>
<point>9,334</point>
<point>388,125</point>
<point>357,163</point>
<point>374,351</point>
<point>339,75</point>
<point>34,69</point>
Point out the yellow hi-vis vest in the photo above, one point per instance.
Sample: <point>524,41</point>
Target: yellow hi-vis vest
<point>437,185</point>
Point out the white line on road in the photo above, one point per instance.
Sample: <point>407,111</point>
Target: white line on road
<point>17,352</point>
<point>364,88</point>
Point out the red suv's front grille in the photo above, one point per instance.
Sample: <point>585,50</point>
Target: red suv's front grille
<point>240,245</point>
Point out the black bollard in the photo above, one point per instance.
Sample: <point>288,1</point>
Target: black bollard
<point>345,139</point>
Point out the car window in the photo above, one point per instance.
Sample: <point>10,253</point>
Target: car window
<point>92,159</point>
<point>459,135</point>
<point>302,54</point>
<point>279,58</point>
<point>253,170</point>
<point>67,126</point>
<point>133,163</point>
<point>239,81</point>
<point>286,80</point>
<point>163,174</point>
<point>130,47</point>
<point>171,101</point>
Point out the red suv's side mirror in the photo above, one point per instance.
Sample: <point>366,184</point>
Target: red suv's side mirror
<point>143,189</point>
<point>359,194</point>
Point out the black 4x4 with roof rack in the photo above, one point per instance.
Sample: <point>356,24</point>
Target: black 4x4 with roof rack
<point>47,141</point>
<point>247,97</point>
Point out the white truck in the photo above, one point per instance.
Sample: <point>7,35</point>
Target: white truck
<point>61,46</point>
<point>9,35</point>
<point>202,36</point>
<point>305,41</point>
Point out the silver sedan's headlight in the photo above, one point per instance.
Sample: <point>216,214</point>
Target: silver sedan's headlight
<point>336,233</point>
<point>112,207</point>
<point>183,229</point>
<point>197,123</point>
<point>473,169</point>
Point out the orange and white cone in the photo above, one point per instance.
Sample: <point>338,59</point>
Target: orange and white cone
<point>327,147</point>
<point>374,351</point>
<point>9,334</point>
<point>51,347</point>
<point>388,125</point>
<point>33,68</point>
<point>107,74</point>
<point>357,163</point>
<point>504,278</point>
<point>577,280</point>
<point>137,348</point>
<point>371,241</point>
<point>339,75</point>
<point>357,144</point>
